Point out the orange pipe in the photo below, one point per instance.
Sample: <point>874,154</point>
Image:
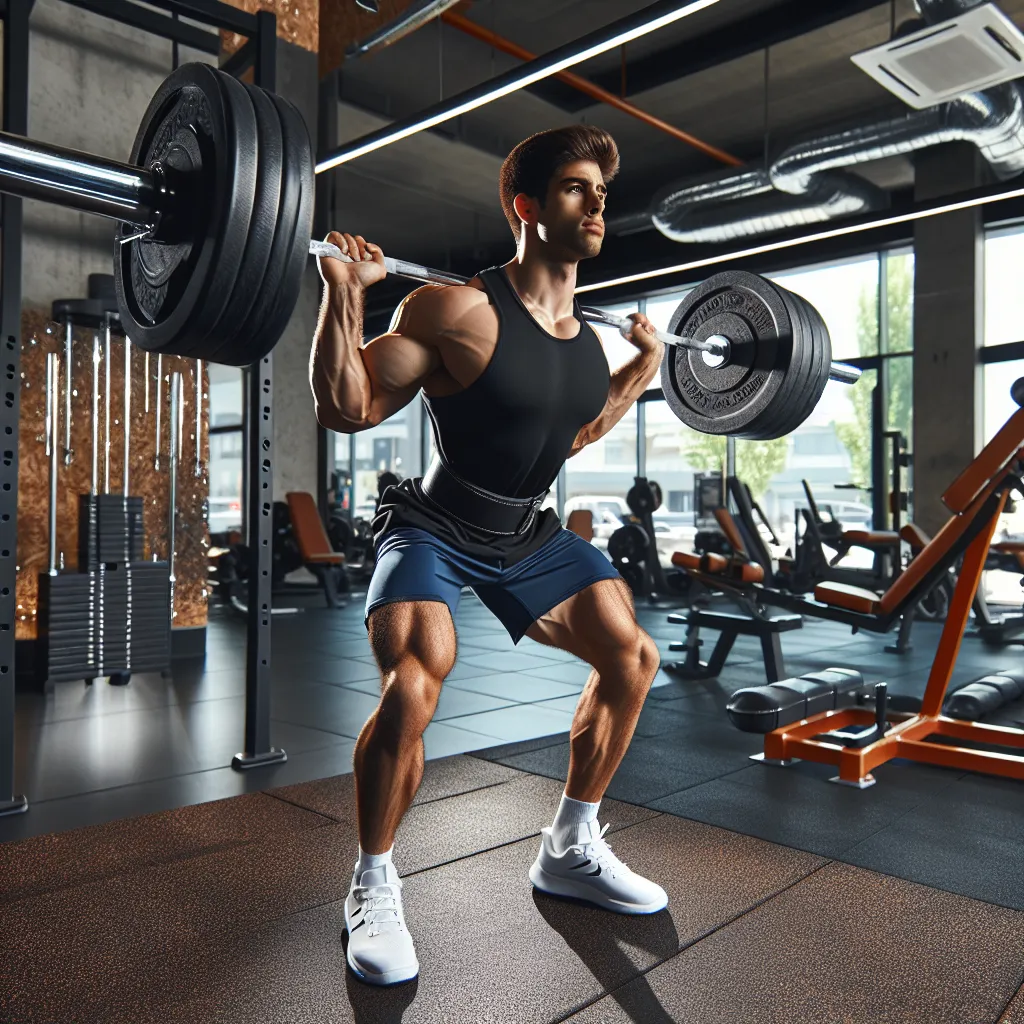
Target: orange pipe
<point>595,91</point>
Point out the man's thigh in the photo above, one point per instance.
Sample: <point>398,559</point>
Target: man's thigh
<point>532,589</point>
<point>595,624</point>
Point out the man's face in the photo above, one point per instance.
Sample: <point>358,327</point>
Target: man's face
<point>572,219</point>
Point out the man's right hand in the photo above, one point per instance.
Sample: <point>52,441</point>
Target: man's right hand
<point>367,267</point>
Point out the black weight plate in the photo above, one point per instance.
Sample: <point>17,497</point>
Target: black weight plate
<point>824,348</point>
<point>729,399</point>
<point>235,328</point>
<point>254,337</point>
<point>640,498</point>
<point>786,411</point>
<point>628,544</point>
<point>172,288</point>
<point>805,399</point>
<point>299,161</point>
<point>656,491</point>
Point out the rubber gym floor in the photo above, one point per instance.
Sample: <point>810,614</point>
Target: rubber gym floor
<point>149,882</point>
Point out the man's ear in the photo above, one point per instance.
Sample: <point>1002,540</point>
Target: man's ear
<point>527,209</point>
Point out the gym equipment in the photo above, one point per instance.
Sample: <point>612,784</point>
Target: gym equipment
<point>628,544</point>
<point>976,500</point>
<point>111,616</point>
<point>767,628</point>
<point>159,399</point>
<point>199,419</point>
<point>644,497</point>
<point>985,695</point>
<point>172,465</point>
<point>761,709</point>
<point>216,209</point>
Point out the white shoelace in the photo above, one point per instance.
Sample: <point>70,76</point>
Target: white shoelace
<point>601,853</point>
<point>378,901</point>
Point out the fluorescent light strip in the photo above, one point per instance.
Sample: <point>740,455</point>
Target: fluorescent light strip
<point>534,71</point>
<point>818,236</point>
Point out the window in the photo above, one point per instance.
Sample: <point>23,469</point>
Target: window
<point>1004,297</point>
<point>224,507</point>
<point>386,448</point>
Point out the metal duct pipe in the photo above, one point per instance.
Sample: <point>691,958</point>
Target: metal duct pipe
<point>416,15</point>
<point>808,180</point>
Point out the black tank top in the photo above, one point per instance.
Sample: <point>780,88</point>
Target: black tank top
<point>511,430</point>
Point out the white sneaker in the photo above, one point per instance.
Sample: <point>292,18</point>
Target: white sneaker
<point>380,949</point>
<point>588,870</point>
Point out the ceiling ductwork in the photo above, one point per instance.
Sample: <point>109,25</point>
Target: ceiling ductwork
<point>809,184</point>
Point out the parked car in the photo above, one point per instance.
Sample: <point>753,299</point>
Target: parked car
<point>224,514</point>
<point>851,515</point>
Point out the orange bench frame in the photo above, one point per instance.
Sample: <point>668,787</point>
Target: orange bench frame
<point>991,476</point>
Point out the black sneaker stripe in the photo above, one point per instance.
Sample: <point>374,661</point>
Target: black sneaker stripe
<point>597,872</point>
<point>356,926</point>
<point>583,864</point>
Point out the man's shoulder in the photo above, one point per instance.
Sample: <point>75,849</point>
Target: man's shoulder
<point>438,307</point>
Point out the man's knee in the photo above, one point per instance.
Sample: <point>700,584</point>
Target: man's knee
<point>634,657</point>
<point>409,699</point>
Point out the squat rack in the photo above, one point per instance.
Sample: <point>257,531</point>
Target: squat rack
<point>260,54</point>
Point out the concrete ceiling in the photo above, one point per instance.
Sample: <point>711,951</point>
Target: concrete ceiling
<point>433,197</point>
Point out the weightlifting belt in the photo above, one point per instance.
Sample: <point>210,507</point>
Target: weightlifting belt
<point>473,506</point>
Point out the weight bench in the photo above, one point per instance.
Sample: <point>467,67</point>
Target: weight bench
<point>752,622</point>
<point>976,499</point>
<point>732,625</point>
<point>318,556</point>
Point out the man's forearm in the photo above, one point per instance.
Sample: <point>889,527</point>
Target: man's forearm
<point>628,383</point>
<point>337,376</point>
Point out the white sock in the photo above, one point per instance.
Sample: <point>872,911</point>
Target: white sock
<point>568,818</point>
<point>368,861</point>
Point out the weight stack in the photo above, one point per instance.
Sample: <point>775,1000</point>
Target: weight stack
<point>67,626</point>
<point>109,530</point>
<point>149,616</point>
<point>112,619</point>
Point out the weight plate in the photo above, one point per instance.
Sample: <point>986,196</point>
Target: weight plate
<point>640,498</point>
<point>824,348</point>
<point>299,160</point>
<point>805,400</point>
<point>628,544</point>
<point>234,330</point>
<point>792,397</point>
<point>292,229</point>
<point>730,398</point>
<point>172,288</point>
<point>656,491</point>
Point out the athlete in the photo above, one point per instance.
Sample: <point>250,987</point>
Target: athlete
<point>514,381</point>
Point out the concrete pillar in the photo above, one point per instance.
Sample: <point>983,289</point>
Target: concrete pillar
<point>295,426</point>
<point>948,329</point>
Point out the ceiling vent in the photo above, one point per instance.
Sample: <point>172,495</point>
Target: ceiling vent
<point>972,51</point>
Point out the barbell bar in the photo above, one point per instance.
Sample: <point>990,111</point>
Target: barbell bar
<point>215,210</point>
<point>716,346</point>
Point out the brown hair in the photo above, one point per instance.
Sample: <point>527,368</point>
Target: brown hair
<point>530,167</point>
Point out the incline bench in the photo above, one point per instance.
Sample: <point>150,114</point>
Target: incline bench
<point>976,500</point>
<point>318,556</point>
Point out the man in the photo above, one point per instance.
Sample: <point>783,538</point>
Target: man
<point>514,381</point>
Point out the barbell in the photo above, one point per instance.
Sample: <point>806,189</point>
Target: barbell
<point>215,211</point>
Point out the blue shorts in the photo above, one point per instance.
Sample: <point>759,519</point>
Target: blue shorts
<point>414,565</point>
